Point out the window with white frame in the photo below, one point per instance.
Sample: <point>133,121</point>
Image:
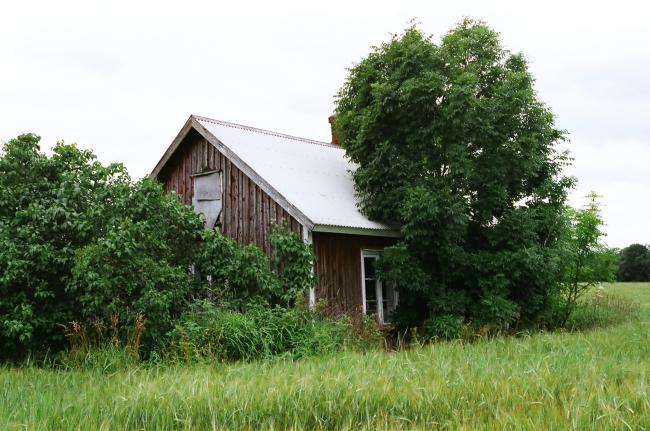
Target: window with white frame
<point>379,299</point>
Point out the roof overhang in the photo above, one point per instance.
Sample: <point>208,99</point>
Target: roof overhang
<point>388,233</point>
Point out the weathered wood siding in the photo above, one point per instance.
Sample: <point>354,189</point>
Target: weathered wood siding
<point>248,212</point>
<point>338,269</point>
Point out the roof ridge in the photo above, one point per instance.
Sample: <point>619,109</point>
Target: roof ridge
<point>265,132</point>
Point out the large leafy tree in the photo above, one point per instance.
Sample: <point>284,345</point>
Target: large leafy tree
<point>47,211</point>
<point>634,263</point>
<point>454,146</point>
<point>80,240</point>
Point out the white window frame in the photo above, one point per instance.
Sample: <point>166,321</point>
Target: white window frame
<point>379,312</point>
<point>307,239</point>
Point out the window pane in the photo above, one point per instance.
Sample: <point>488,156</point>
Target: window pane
<point>371,307</point>
<point>369,267</point>
<point>371,292</point>
<point>389,301</point>
<point>370,285</point>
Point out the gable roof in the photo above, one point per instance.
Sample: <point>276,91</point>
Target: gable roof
<point>312,180</point>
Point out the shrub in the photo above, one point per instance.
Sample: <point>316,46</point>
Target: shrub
<point>584,256</point>
<point>292,263</point>
<point>255,333</point>
<point>495,309</point>
<point>140,264</point>
<point>79,241</point>
<point>233,273</point>
<point>49,208</point>
<point>602,310</point>
<point>241,274</point>
<point>445,327</point>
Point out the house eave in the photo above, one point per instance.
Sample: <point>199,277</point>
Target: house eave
<point>349,230</point>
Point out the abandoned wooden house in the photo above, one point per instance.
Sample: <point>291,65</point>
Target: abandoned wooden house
<point>246,180</point>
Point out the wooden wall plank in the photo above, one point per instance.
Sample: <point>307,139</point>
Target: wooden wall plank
<point>249,215</point>
<point>338,269</point>
<point>227,209</point>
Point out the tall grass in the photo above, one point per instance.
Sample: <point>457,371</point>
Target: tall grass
<point>574,380</point>
<point>602,309</point>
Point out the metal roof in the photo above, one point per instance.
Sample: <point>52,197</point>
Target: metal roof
<point>314,177</point>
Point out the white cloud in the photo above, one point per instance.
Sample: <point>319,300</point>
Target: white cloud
<point>121,77</point>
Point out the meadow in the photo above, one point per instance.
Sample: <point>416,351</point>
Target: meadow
<point>596,379</point>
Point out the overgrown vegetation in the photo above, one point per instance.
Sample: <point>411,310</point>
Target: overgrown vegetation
<point>89,255</point>
<point>596,380</point>
<point>79,240</point>
<point>454,146</point>
<point>587,261</point>
<point>257,332</point>
<point>602,309</point>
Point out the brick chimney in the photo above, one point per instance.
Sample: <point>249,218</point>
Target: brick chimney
<point>335,138</point>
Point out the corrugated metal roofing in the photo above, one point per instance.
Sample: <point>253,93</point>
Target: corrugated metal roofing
<point>313,176</point>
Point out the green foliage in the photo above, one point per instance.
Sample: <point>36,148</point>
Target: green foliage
<point>495,308</point>
<point>140,263</point>
<point>49,208</point>
<point>80,242</point>
<point>254,307</point>
<point>454,146</point>
<point>106,359</point>
<point>583,256</point>
<point>606,263</point>
<point>634,263</point>
<point>444,327</point>
<point>241,274</point>
<point>401,269</point>
<point>602,310</point>
<point>292,263</point>
<point>593,380</point>
<point>233,273</point>
<point>258,332</point>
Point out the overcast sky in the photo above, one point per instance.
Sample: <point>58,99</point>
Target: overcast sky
<point>121,77</point>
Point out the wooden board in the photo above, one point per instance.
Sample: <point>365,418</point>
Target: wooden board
<point>248,212</point>
<point>338,269</point>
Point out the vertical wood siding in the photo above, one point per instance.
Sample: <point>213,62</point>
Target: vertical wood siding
<point>249,213</point>
<point>338,269</point>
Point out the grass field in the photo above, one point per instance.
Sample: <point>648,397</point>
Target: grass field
<point>598,379</point>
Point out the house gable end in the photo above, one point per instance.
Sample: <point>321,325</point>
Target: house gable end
<point>249,212</point>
